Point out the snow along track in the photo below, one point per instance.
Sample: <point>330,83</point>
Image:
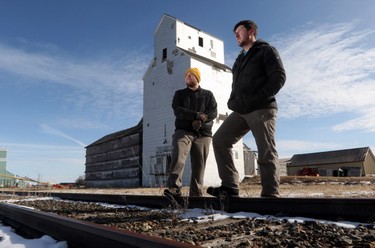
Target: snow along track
<point>79,233</point>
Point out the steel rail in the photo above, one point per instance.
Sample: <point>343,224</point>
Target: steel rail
<point>80,233</point>
<point>348,209</point>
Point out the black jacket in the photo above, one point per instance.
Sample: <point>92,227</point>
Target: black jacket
<point>257,77</point>
<point>187,103</point>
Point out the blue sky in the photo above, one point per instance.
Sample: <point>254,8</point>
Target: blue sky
<point>71,72</point>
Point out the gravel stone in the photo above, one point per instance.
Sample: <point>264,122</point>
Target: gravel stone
<point>239,233</point>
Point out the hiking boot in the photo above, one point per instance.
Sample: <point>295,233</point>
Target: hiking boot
<point>222,191</point>
<point>175,192</point>
<point>276,195</point>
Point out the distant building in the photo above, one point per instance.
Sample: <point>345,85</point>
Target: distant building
<point>349,162</point>
<point>250,161</point>
<point>3,160</point>
<point>283,166</point>
<point>115,160</point>
<point>7,179</point>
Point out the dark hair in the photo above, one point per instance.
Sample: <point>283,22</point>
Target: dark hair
<point>248,24</point>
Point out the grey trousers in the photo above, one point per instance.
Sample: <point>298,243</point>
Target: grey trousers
<point>262,124</point>
<point>183,143</point>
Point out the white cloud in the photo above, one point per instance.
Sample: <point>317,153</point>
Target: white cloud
<point>330,70</point>
<point>79,123</point>
<point>366,122</point>
<point>53,131</point>
<point>106,87</point>
<point>291,147</point>
<point>79,74</point>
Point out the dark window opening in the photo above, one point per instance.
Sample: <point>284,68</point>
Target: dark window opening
<point>200,41</point>
<point>168,163</point>
<point>164,54</point>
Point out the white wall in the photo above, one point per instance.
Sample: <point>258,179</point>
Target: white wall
<point>188,37</point>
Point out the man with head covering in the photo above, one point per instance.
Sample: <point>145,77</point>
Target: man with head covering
<point>194,108</point>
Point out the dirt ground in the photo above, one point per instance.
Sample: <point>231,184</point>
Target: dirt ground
<point>290,186</point>
<point>316,187</point>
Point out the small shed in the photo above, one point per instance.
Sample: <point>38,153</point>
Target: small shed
<point>250,161</point>
<point>348,162</point>
<point>115,160</point>
<point>283,162</point>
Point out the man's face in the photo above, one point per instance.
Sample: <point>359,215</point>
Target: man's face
<point>191,80</point>
<point>242,36</point>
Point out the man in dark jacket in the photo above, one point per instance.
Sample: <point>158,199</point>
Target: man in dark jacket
<point>258,75</point>
<point>194,108</point>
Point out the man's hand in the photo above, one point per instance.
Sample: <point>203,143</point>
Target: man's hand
<point>202,117</point>
<point>197,124</point>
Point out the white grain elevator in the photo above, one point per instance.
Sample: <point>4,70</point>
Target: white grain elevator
<point>177,47</point>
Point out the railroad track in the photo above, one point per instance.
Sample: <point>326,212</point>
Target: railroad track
<point>85,234</point>
<point>349,209</point>
<point>78,234</point>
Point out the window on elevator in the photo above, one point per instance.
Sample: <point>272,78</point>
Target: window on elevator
<point>164,58</point>
<point>200,41</point>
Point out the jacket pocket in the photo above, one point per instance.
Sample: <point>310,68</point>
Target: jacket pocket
<point>235,104</point>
